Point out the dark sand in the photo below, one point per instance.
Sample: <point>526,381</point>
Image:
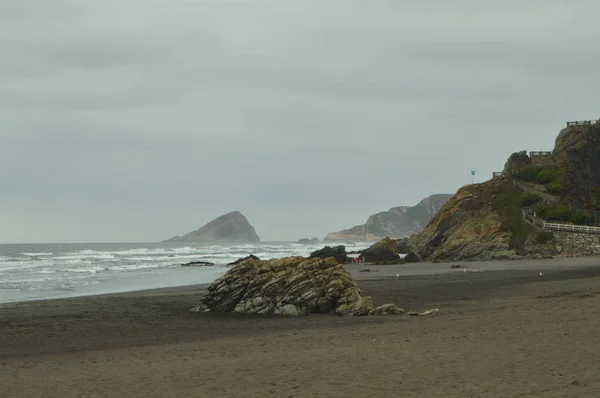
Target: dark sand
<point>498,334</point>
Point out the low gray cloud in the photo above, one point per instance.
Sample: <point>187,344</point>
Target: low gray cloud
<point>140,120</point>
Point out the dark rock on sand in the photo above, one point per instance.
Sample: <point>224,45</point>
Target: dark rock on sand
<point>339,252</point>
<point>382,252</point>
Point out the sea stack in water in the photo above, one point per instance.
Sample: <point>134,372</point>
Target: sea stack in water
<point>230,227</point>
<point>289,286</point>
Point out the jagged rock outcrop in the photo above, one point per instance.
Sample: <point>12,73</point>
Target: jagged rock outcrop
<point>577,154</point>
<point>230,227</point>
<point>404,245</point>
<point>337,252</point>
<point>288,286</point>
<point>516,162</point>
<point>397,222</point>
<point>383,252</point>
<point>239,260</point>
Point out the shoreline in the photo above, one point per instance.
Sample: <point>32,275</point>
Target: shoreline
<point>178,281</point>
<point>377,273</point>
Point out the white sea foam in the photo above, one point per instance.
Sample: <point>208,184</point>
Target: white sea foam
<point>59,267</point>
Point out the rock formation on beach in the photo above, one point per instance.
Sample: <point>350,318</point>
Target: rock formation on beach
<point>383,252</point>
<point>397,222</point>
<point>337,252</point>
<point>289,286</point>
<point>230,227</point>
<point>486,221</point>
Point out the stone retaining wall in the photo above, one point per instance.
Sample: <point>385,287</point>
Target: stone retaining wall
<point>577,243</point>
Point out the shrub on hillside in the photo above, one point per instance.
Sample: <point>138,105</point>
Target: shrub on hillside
<point>528,173</point>
<point>558,213</point>
<point>541,210</point>
<point>581,218</point>
<point>546,176</point>
<point>529,198</point>
<point>554,187</point>
<point>506,202</point>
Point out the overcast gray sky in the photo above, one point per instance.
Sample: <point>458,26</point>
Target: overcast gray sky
<point>136,120</point>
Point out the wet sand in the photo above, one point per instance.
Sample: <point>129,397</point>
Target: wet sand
<point>509,333</point>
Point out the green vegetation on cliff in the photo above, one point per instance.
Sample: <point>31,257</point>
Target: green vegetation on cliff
<point>507,202</point>
<point>552,177</point>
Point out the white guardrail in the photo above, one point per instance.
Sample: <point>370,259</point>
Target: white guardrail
<point>571,228</point>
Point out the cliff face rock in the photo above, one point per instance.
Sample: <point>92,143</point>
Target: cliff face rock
<point>232,227</point>
<point>481,222</point>
<point>289,286</point>
<point>516,162</point>
<point>397,222</point>
<point>577,154</point>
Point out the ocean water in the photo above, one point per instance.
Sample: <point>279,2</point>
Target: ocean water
<point>39,271</point>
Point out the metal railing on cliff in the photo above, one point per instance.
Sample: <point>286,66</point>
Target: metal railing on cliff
<point>585,229</point>
<point>582,123</point>
<point>571,228</point>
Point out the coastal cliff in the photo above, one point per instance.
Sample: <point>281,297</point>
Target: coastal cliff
<point>486,221</point>
<point>230,227</point>
<point>396,222</point>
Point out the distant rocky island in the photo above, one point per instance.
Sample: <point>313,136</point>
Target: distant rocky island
<point>306,241</point>
<point>543,204</point>
<point>230,227</point>
<point>396,222</point>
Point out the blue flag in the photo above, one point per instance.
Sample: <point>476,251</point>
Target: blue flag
<point>472,172</point>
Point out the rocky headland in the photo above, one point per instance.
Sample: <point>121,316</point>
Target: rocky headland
<point>396,222</point>
<point>230,227</point>
<point>503,218</point>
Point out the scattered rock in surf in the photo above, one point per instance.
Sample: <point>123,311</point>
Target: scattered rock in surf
<point>288,286</point>
<point>457,266</point>
<point>387,309</point>
<point>424,313</point>
<point>198,264</point>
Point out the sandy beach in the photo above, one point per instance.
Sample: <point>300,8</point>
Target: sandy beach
<point>499,333</point>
